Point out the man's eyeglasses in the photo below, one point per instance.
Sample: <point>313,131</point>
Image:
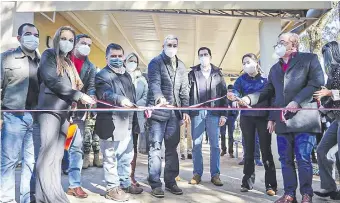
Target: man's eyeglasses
<point>172,45</point>
<point>281,43</point>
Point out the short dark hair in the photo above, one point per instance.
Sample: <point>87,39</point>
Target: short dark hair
<point>250,55</point>
<point>114,47</point>
<point>230,87</point>
<point>204,48</point>
<point>78,37</point>
<point>21,28</point>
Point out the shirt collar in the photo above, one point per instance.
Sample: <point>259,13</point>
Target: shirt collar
<point>19,54</point>
<point>292,55</point>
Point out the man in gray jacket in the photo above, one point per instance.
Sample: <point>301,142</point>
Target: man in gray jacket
<point>292,81</point>
<point>168,84</point>
<point>19,91</point>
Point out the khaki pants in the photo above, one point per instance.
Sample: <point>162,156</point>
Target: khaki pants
<point>185,132</point>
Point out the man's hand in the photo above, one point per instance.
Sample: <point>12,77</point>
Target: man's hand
<point>161,102</point>
<point>271,126</point>
<point>324,92</point>
<point>222,121</point>
<point>293,107</point>
<point>244,101</point>
<point>126,103</point>
<point>231,96</point>
<point>186,118</point>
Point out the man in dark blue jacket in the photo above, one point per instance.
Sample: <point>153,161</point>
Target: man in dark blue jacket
<point>231,119</point>
<point>292,82</point>
<point>168,84</point>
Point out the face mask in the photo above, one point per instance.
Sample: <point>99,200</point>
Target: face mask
<point>131,66</point>
<point>116,62</point>
<point>280,50</point>
<point>250,68</point>
<point>205,61</point>
<point>84,50</point>
<point>65,46</point>
<point>30,42</point>
<point>170,52</point>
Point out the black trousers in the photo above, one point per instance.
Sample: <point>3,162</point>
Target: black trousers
<point>249,125</point>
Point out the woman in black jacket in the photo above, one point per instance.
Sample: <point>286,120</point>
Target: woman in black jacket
<point>331,54</point>
<point>60,87</point>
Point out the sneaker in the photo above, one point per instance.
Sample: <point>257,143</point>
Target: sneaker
<point>189,156</point>
<point>241,162</point>
<point>195,180</point>
<point>174,190</point>
<point>306,198</point>
<point>216,180</point>
<point>286,199</point>
<point>258,162</point>
<point>182,156</point>
<point>133,190</point>
<point>223,153</point>
<point>158,192</point>
<point>117,194</point>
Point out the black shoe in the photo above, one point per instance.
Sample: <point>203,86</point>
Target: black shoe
<point>183,157</point>
<point>231,155</point>
<point>174,190</point>
<point>327,194</point>
<point>189,156</point>
<point>241,162</point>
<point>158,192</point>
<point>223,153</point>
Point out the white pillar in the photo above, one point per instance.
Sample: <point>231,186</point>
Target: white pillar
<point>270,28</point>
<point>10,22</point>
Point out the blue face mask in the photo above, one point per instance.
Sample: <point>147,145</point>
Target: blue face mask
<point>116,62</point>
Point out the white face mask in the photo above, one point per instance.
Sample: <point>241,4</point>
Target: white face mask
<point>84,50</point>
<point>205,61</point>
<point>250,68</point>
<point>131,66</point>
<point>65,46</point>
<point>280,50</point>
<point>30,42</point>
<point>170,52</point>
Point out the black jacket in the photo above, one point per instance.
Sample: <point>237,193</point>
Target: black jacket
<point>113,124</point>
<point>56,91</point>
<point>217,89</point>
<point>167,83</point>
<point>303,77</point>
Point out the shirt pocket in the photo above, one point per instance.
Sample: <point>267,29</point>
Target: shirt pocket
<point>13,72</point>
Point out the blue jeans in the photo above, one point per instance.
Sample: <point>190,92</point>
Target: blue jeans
<point>257,154</point>
<point>73,159</point>
<point>117,156</point>
<point>203,123</point>
<point>300,144</point>
<point>158,131</point>
<point>16,138</point>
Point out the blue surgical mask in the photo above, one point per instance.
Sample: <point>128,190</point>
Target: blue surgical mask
<point>116,62</point>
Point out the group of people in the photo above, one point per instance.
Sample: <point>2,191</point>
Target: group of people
<point>62,84</point>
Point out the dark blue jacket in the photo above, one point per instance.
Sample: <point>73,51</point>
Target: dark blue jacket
<point>245,85</point>
<point>167,83</point>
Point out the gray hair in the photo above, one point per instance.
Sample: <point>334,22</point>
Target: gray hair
<point>170,37</point>
<point>293,37</point>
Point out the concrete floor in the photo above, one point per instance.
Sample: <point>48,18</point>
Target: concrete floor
<point>206,192</point>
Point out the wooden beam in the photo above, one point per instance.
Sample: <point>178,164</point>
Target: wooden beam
<point>127,38</point>
<point>77,22</point>
<point>197,29</point>
<point>158,28</point>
